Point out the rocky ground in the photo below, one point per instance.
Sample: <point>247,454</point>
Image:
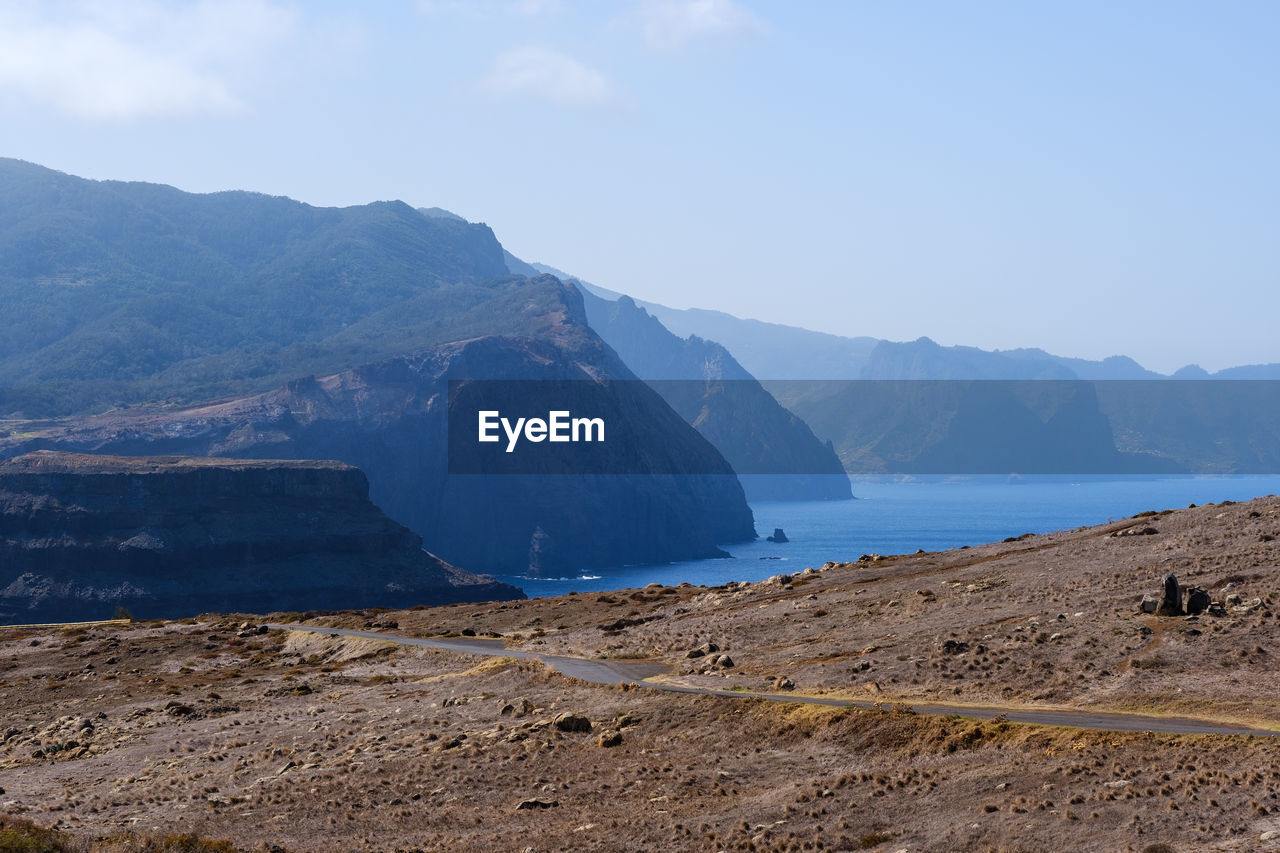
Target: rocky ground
<point>125,735</point>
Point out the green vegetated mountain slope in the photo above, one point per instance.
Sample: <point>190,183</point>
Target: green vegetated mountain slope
<point>115,293</point>
<point>776,455</point>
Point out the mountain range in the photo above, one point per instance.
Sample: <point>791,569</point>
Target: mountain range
<point>776,351</point>
<point>138,319</point>
<point>142,320</point>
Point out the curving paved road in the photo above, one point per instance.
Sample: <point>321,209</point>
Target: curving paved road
<point>624,672</point>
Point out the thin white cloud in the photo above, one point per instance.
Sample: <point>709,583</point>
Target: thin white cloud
<point>489,8</point>
<point>669,24</point>
<point>136,58</point>
<point>544,74</point>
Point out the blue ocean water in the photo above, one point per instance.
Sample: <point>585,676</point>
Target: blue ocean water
<point>897,516</point>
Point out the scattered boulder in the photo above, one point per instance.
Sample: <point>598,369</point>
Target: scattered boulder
<point>1171,603</point>
<point>778,536</point>
<point>517,708</point>
<point>783,683</point>
<point>703,650</point>
<point>610,738</point>
<point>1136,531</point>
<point>567,722</point>
<point>1149,604</point>
<point>527,805</point>
<point>1198,601</point>
<point>1234,599</point>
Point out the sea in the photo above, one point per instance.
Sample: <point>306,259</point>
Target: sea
<point>897,515</point>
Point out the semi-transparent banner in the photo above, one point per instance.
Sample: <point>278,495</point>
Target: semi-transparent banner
<point>800,427</point>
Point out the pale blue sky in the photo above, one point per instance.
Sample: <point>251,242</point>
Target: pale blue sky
<point>1089,177</point>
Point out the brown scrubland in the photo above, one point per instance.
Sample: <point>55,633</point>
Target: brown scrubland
<point>214,734</point>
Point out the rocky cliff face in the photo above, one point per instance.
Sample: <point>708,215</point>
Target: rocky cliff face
<point>81,535</point>
<point>776,455</point>
<point>390,420</point>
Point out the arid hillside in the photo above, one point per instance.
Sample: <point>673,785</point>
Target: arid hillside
<point>123,735</point>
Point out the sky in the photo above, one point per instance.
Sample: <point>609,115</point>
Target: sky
<point>1092,178</point>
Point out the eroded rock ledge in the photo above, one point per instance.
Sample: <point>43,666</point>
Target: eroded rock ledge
<point>82,534</point>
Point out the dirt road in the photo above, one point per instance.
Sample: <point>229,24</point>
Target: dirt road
<point>627,672</point>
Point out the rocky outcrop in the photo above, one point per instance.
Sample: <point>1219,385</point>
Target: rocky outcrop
<point>82,535</point>
<point>1198,601</point>
<point>1171,601</point>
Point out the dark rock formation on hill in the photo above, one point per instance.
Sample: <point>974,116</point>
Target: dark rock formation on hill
<point>82,535</point>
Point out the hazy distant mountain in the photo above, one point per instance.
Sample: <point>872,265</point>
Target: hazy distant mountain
<point>924,359</point>
<point>1112,367</point>
<point>440,213</point>
<point>968,427</point>
<point>1249,371</point>
<point>776,455</point>
<point>766,350</point>
<point>776,351</point>
<point>1116,426</point>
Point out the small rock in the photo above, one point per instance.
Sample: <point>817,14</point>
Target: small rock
<point>568,722</point>
<point>1269,835</point>
<point>610,738</point>
<point>1198,601</point>
<point>955,647</point>
<point>526,805</point>
<point>1149,604</point>
<point>1234,599</point>
<point>783,683</point>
